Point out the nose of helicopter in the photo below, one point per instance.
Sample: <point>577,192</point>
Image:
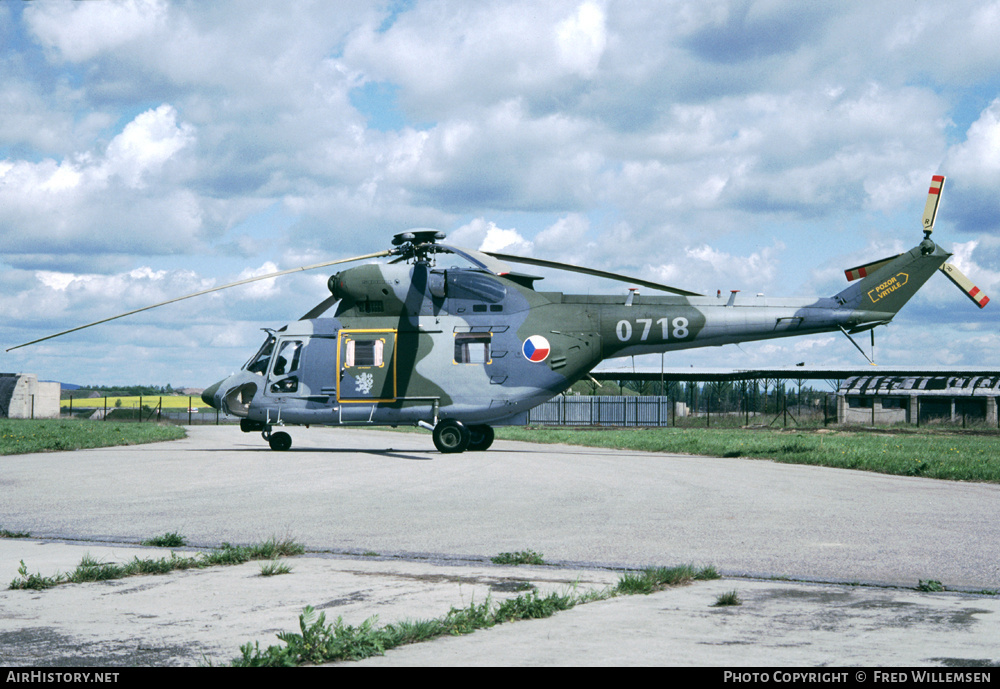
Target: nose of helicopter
<point>208,396</point>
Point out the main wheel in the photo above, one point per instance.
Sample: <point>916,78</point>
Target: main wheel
<point>480,437</point>
<point>280,441</point>
<point>451,436</point>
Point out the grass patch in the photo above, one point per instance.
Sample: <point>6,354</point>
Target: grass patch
<point>319,642</point>
<point>21,436</point>
<point>728,598</point>
<point>952,455</point>
<point>274,568</point>
<point>6,533</point>
<point>930,586</point>
<point>167,540</point>
<point>90,569</point>
<point>655,579</point>
<point>521,557</point>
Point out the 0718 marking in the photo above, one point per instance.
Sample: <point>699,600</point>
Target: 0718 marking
<point>676,329</point>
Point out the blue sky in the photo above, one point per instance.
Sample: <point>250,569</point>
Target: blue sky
<point>150,149</point>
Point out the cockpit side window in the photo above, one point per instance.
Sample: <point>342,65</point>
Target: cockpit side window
<point>287,360</point>
<point>262,359</point>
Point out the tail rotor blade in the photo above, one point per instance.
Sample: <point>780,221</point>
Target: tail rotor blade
<point>858,272</point>
<point>933,201</point>
<point>978,297</point>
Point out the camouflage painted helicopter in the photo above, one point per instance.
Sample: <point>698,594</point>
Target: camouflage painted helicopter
<point>458,351</point>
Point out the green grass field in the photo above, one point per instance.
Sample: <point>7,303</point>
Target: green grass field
<point>953,455</point>
<point>20,436</point>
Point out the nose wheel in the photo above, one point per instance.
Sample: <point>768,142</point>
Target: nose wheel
<point>279,441</point>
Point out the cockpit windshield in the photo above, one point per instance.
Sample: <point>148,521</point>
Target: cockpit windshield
<point>262,359</point>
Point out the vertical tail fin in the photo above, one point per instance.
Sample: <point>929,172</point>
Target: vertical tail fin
<point>885,290</point>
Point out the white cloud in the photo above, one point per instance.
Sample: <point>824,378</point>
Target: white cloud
<point>582,38</point>
<point>752,273</point>
<point>91,200</point>
<point>146,143</point>
<point>80,31</point>
<point>505,241</point>
<point>977,159</point>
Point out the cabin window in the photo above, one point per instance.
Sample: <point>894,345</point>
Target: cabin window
<point>364,353</point>
<point>472,348</point>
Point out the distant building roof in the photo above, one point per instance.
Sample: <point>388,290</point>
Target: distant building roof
<point>959,385</point>
<point>786,372</point>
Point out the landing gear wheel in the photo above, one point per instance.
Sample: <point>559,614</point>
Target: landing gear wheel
<point>480,438</point>
<point>451,436</point>
<point>280,441</point>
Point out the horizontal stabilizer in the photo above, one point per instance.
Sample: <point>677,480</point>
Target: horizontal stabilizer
<point>965,284</point>
<point>859,272</point>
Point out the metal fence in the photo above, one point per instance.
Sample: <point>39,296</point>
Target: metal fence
<point>145,410</point>
<point>602,410</point>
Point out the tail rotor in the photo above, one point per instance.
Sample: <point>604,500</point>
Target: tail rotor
<point>968,287</point>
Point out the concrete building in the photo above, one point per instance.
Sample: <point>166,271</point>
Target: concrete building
<point>919,399</point>
<point>23,397</point>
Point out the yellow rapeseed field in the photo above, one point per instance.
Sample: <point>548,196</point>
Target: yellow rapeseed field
<point>169,402</point>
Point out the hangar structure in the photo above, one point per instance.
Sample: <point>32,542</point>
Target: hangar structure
<point>22,396</point>
<point>874,395</point>
<point>887,399</point>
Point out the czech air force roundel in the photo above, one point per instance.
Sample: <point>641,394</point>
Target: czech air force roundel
<point>536,348</point>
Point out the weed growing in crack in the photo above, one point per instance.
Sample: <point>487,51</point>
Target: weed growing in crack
<point>521,557</point>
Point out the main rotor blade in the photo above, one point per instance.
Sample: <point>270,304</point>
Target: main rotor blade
<point>542,263</point>
<point>205,291</point>
<point>482,260</point>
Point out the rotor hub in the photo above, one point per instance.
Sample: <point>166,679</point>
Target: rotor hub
<point>417,244</point>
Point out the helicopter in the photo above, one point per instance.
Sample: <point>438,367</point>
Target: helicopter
<point>461,350</point>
